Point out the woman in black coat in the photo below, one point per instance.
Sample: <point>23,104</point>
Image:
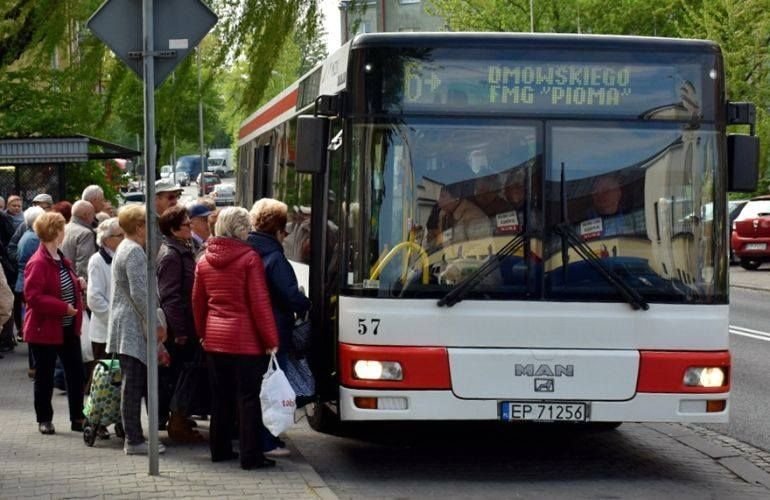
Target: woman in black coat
<point>268,218</point>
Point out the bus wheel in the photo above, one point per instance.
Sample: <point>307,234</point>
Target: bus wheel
<point>750,265</point>
<point>321,418</point>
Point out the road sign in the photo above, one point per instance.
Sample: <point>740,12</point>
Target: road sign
<point>180,25</point>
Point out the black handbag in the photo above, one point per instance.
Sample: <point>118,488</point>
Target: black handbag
<point>301,336</point>
<point>191,394</point>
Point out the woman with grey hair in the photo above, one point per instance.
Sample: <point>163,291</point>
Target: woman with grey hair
<point>233,318</point>
<point>108,237</point>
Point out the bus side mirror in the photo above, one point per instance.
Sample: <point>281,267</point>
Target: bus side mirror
<point>312,140</point>
<point>742,163</point>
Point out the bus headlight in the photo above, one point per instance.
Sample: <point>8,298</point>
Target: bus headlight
<point>377,370</point>
<point>704,377</point>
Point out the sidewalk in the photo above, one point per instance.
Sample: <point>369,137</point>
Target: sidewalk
<point>62,466</point>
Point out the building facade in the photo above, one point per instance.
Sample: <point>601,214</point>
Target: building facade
<point>369,16</point>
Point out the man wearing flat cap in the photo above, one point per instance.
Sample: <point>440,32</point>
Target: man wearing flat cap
<point>167,195</point>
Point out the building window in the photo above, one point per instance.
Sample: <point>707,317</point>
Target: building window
<point>403,2</point>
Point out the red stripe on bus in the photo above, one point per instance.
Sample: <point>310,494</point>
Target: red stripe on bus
<point>663,371</point>
<point>288,102</point>
<point>422,367</point>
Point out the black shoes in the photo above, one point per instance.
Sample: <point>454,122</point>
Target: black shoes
<point>77,426</point>
<point>46,428</point>
<point>259,464</point>
<point>224,458</point>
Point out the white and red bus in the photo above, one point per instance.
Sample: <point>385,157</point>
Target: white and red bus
<point>510,226</point>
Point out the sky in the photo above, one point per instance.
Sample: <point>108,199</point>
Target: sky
<point>331,13</point>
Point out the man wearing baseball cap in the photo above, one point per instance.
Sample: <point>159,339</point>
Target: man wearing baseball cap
<point>199,221</point>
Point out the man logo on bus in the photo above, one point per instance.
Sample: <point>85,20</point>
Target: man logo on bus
<point>544,370</point>
<point>544,385</point>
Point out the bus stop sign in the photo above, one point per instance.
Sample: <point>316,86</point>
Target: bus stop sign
<point>179,25</point>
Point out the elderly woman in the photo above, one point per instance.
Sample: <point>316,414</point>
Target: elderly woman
<point>108,237</point>
<point>126,334</point>
<point>232,313</point>
<point>268,218</point>
<point>176,272</point>
<point>52,322</point>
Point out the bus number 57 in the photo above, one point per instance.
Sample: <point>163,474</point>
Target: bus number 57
<point>368,325</point>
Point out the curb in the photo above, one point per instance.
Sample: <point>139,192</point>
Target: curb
<point>728,457</point>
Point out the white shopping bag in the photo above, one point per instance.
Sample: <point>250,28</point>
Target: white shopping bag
<point>86,350</point>
<point>277,398</point>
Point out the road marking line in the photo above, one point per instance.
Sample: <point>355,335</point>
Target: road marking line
<point>747,332</point>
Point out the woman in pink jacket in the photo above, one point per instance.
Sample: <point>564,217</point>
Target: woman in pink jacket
<point>53,295</point>
<point>234,320</point>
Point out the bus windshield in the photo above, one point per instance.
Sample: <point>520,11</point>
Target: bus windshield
<point>440,197</point>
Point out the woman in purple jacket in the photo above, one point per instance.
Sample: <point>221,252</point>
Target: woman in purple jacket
<point>176,273</point>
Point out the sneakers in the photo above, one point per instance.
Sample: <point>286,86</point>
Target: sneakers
<point>46,428</point>
<point>277,452</point>
<point>141,448</point>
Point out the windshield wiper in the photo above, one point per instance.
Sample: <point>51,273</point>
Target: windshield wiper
<point>460,290</point>
<point>574,240</point>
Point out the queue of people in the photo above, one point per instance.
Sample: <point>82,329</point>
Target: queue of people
<point>227,297</point>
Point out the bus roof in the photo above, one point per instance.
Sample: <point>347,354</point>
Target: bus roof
<point>537,40</point>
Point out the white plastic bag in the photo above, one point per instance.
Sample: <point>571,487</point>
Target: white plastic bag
<point>86,350</point>
<point>277,398</point>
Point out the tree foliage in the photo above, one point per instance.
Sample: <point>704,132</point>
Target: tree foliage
<point>56,78</point>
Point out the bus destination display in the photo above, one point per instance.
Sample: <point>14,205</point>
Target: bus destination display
<point>546,87</point>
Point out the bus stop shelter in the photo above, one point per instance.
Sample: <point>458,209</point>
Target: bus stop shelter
<point>30,166</point>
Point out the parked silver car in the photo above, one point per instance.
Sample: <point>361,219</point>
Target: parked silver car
<point>223,194</point>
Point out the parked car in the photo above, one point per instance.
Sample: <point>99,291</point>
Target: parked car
<point>734,208</point>
<point>180,177</point>
<point>210,180</point>
<point>750,239</point>
<point>224,194</point>
<point>132,197</point>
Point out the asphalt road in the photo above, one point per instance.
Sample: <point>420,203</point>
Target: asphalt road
<point>749,395</point>
<point>521,461</point>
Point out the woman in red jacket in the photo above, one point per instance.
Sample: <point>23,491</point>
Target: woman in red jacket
<point>234,320</point>
<point>53,295</point>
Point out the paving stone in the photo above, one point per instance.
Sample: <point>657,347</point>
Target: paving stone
<point>62,466</point>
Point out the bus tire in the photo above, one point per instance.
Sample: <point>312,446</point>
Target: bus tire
<point>750,265</point>
<point>321,418</point>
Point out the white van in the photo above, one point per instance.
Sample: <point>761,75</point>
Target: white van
<point>220,162</point>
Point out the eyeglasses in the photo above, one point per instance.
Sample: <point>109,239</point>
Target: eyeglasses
<point>173,196</point>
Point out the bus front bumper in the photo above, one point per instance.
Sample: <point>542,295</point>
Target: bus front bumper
<point>382,405</point>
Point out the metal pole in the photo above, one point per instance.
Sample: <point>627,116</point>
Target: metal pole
<point>151,243</point>
<point>531,16</point>
<point>204,167</point>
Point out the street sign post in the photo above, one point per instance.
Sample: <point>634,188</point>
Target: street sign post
<point>129,28</point>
